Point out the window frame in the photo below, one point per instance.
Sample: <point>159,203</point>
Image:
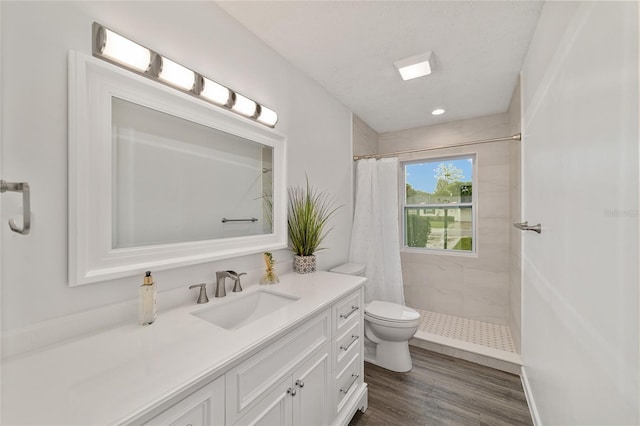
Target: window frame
<point>473,205</point>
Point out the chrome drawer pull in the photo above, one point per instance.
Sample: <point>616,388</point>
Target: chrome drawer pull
<point>355,379</point>
<point>355,339</point>
<point>353,309</point>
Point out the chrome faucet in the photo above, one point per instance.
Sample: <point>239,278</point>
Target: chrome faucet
<point>220,281</point>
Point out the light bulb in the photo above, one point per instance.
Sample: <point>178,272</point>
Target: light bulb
<point>177,75</point>
<point>214,92</point>
<point>125,51</point>
<point>267,116</point>
<point>244,106</point>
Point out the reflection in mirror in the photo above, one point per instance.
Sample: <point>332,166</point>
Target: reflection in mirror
<point>175,180</point>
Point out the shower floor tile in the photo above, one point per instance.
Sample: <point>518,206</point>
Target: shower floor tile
<point>466,330</point>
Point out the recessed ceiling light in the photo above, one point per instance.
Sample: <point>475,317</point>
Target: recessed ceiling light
<point>438,111</point>
<point>415,66</point>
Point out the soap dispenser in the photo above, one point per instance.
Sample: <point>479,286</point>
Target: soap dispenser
<point>148,301</point>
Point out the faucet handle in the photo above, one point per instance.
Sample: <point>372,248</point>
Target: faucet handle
<point>237,287</point>
<point>202,297</point>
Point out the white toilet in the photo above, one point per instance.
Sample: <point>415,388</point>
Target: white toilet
<point>388,328</point>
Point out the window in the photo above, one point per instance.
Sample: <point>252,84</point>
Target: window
<point>438,205</point>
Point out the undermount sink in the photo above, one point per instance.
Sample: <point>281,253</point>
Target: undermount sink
<point>241,310</point>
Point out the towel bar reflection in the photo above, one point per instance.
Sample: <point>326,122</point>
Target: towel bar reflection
<point>225,220</point>
<point>524,226</point>
<point>26,206</point>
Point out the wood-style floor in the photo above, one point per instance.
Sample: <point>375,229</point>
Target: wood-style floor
<point>441,390</point>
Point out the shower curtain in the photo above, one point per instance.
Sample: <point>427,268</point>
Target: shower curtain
<point>375,240</point>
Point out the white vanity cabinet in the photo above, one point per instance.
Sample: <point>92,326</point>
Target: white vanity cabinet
<point>302,364</point>
<point>287,380</point>
<point>301,398</point>
<point>349,390</point>
<point>313,375</point>
<point>203,407</point>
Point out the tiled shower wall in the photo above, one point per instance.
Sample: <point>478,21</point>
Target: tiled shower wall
<point>479,287</point>
<point>471,287</point>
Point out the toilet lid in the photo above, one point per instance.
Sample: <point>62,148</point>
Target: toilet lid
<point>390,311</point>
<point>349,269</point>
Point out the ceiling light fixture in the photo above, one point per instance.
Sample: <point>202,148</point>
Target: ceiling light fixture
<point>415,66</point>
<point>438,111</point>
<point>118,50</point>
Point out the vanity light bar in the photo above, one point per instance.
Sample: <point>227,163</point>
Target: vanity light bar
<point>114,48</point>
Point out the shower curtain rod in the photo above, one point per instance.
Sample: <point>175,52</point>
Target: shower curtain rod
<point>515,137</point>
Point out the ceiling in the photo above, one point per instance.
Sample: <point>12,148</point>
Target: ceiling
<point>349,47</point>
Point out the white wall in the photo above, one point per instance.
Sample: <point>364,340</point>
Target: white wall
<point>470,287</point>
<point>580,180</point>
<point>36,37</point>
<point>515,213</point>
<point>365,139</point>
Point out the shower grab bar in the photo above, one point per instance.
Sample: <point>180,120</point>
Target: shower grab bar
<point>225,220</point>
<point>355,379</point>
<point>26,205</point>
<point>353,309</point>
<point>524,226</point>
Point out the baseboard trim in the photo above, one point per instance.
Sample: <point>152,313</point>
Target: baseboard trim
<point>535,416</point>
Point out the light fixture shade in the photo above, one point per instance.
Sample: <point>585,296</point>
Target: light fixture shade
<point>119,49</point>
<point>123,52</point>
<point>215,92</point>
<point>267,116</point>
<point>244,106</point>
<point>177,75</point>
<point>415,66</point>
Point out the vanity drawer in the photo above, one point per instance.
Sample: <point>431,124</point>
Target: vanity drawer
<point>348,344</point>
<point>347,381</point>
<point>347,311</point>
<point>248,382</point>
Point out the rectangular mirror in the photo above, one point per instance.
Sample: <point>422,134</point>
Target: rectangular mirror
<point>160,179</point>
<point>177,181</point>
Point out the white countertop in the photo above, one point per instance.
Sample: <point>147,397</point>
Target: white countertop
<point>113,376</point>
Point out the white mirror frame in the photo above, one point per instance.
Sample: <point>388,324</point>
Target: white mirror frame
<point>92,84</point>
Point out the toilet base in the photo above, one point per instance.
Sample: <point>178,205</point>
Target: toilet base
<point>392,356</point>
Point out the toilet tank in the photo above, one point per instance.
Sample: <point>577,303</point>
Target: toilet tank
<point>350,269</point>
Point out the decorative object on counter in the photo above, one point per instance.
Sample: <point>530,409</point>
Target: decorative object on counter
<point>309,211</point>
<point>269,276</point>
<point>148,301</point>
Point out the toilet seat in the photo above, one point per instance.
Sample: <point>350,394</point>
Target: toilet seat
<point>391,312</point>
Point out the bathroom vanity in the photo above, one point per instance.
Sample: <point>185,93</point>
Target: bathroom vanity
<point>293,355</point>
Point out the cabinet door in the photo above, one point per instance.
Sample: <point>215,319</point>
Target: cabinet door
<point>312,384</point>
<point>274,409</point>
<point>202,408</point>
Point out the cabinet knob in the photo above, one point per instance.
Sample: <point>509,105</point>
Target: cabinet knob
<point>291,391</point>
<point>300,383</point>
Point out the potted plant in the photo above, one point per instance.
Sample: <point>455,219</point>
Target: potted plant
<point>309,211</point>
